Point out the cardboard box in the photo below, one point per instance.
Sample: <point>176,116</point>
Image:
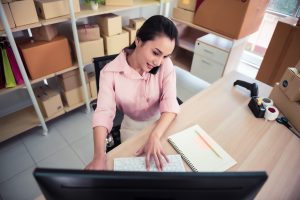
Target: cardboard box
<point>288,108</point>
<point>8,16</point>
<point>114,44</point>
<point>44,33</point>
<point>187,4</point>
<point>136,23</point>
<point>184,15</point>
<point>283,52</point>
<point>73,96</point>
<point>93,84</point>
<point>290,84</point>
<point>48,9</point>
<point>88,32</point>
<point>20,17</point>
<point>91,49</point>
<point>232,18</point>
<point>43,58</point>
<point>119,3</point>
<point>132,33</point>
<point>110,24</point>
<point>76,5</point>
<point>70,80</point>
<point>49,101</point>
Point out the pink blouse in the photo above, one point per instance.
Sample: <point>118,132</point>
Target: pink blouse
<point>137,96</point>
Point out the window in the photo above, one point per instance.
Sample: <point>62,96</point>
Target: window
<point>285,7</point>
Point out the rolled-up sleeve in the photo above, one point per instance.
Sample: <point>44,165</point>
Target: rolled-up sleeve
<point>106,104</point>
<point>168,101</point>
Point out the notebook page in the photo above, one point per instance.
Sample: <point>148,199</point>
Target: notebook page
<point>138,164</point>
<point>200,151</point>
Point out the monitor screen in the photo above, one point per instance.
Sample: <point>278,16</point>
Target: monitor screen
<point>82,184</point>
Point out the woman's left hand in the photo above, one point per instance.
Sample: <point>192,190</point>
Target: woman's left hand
<point>153,149</point>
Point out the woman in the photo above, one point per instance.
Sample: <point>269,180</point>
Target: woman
<point>141,82</point>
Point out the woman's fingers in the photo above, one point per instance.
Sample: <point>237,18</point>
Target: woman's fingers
<point>157,162</point>
<point>165,156</point>
<point>147,160</point>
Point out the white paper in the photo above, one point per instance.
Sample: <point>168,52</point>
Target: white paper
<point>175,164</point>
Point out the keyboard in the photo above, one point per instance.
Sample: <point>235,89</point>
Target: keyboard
<point>175,164</point>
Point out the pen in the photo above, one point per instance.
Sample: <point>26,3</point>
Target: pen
<point>208,144</point>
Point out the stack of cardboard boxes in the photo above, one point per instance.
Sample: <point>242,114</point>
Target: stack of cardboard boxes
<point>47,54</point>
<point>71,87</point>
<point>48,9</point>
<point>185,10</point>
<point>283,52</point>
<point>91,44</point>
<point>115,38</point>
<point>286,95</point>
<point>134,25</point>
<point>15,14</point>
<point>49,101</point>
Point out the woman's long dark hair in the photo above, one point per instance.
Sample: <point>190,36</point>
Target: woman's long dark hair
<point>156,25</point>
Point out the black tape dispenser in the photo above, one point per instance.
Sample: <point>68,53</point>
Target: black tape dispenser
<point>255,103</point>
<point>250,86</point>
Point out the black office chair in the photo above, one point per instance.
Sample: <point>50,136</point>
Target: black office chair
<point>113,138</point>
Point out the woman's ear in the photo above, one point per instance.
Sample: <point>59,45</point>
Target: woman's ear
<point>137,42</point>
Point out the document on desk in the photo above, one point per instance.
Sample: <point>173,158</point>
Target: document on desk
<point>138,164</point>
<point>200,151</point>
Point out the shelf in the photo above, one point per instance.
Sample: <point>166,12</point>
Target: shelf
<point>55,116</point>
<point>186,45</point>
<point>54,74</point>
<point>7,90</point>
<point>217,42</point>
<point>70,108</point>
<point>55,20</point>
<point>87,12</point>
<point>187,36</point>
<point>21,28</point>
<point>194,26</point>
<point>18,122</point>
<point>182,58</point>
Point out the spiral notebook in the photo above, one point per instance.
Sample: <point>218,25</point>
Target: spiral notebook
<point>200,151</point>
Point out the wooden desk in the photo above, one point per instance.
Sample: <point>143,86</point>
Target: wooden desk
<point>222,110</point>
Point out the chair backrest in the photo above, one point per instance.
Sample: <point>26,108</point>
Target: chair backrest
<point>99,63</point>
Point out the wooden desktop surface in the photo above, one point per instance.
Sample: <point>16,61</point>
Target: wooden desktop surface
<point>222,111</point>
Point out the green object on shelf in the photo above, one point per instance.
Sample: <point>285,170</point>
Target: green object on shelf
<point>88,2</point>
<point>9,77</point>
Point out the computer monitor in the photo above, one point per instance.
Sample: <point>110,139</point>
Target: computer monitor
<point>117,185</point>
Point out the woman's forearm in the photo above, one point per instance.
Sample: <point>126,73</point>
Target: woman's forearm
<point>100,134</point>
<point>163,123</point>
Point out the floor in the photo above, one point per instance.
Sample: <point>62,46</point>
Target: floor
<point>69,144</point>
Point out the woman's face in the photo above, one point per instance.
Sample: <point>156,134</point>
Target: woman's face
<point>152,53</point>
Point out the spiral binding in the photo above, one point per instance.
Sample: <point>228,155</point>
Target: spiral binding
<point>182,155</point>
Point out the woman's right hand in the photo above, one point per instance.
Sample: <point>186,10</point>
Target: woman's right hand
<point>98,163</point>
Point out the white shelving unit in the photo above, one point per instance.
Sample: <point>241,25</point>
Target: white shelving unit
<point>189,33</point>
<point>27,118</point>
